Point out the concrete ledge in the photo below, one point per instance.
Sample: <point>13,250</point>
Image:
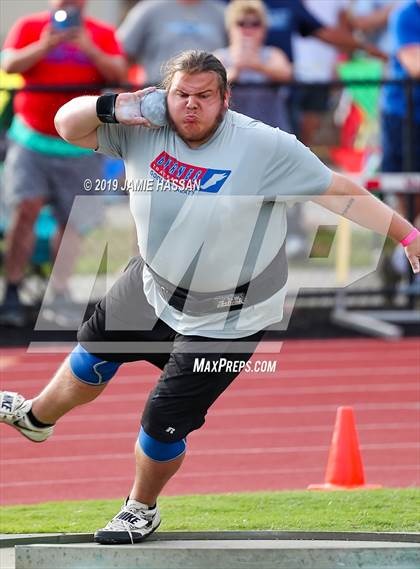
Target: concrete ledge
<point>223,554</point>
<point>219,550</point>
<point>10,540</point>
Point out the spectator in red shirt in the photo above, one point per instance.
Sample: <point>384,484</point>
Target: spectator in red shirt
<point>52,48</point>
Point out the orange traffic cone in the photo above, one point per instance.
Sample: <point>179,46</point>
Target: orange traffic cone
<point>345,467</point>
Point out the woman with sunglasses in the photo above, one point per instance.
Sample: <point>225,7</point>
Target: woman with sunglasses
<point>252,66</point>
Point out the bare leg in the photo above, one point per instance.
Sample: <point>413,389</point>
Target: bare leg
<point>152,476</point>
<point>67,243</point>
<point>310,124</point>
<point>20,239</point>
<point>63,393</point>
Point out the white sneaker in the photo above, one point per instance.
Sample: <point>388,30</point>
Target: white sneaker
<point>132,524</point>
<point>13,412</point>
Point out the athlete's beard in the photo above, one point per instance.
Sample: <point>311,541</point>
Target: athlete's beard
<point>204,137</point>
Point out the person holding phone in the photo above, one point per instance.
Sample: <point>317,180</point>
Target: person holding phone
<point>57,47</point>
<point>211,274</point>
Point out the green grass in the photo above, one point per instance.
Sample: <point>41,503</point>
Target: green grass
<point>368,510</point>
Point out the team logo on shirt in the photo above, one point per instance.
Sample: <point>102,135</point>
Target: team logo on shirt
<point>171,174</point>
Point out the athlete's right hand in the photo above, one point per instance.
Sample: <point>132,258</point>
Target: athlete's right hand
<point>127,108</point>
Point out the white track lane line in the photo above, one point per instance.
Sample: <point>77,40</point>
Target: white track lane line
<point>210,432</point>
<point>222,473</point>
<point>206,452</point>
<point>281,374</point>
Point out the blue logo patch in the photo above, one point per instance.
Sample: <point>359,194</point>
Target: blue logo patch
<point>213,180</point>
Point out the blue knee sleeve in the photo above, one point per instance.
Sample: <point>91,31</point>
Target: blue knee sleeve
<point>161,452</point>
<point>91,369</point>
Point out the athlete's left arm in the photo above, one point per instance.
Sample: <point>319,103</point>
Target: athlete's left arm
<point>353,202</point>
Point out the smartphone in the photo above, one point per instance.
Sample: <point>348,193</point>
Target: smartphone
<point>65,19</point>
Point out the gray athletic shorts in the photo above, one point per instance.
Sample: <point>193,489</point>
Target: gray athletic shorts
<point>29,174</point>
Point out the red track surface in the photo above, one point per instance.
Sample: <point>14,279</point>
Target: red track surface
<point>269,431</point>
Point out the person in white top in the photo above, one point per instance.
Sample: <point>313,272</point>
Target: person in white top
<point>249,61</point>
<point>210,231</point>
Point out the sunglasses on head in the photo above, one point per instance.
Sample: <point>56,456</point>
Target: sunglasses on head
<point>249,23</point>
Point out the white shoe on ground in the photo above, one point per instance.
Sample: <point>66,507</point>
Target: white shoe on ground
<point>132,524</point>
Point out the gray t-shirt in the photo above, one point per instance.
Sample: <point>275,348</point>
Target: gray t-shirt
<point>156,30</point>
<point>205,206</point>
